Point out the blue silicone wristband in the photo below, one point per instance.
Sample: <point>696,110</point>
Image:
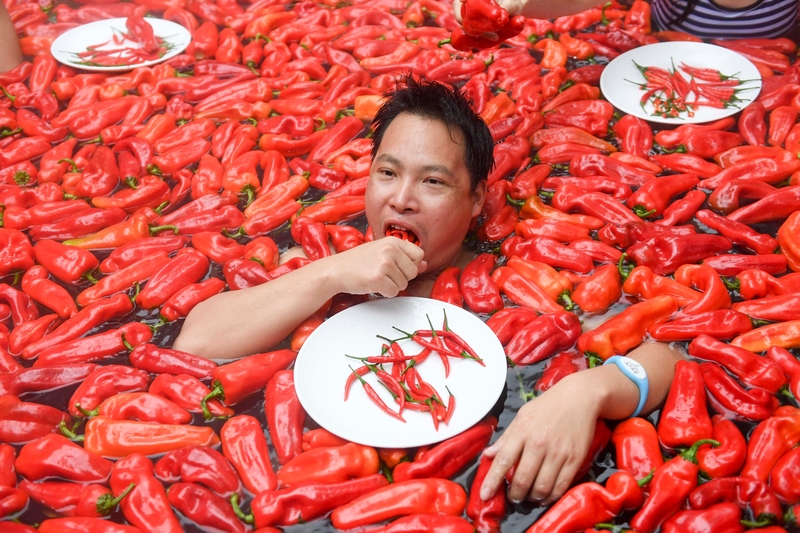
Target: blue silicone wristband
<point>636,373</point>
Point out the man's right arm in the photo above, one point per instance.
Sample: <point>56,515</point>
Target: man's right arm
<point>239,323</point>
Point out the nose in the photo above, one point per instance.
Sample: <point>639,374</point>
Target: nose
<point>404,197</point>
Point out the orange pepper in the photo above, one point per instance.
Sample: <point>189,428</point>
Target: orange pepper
<point>577,48</point>
<point>330,465</point>
<point>120,438</point>
<point>555,55</point>
<point>626,330</point>
<point>535,208</point>
<point>367,105</point>
<point>499,107</point>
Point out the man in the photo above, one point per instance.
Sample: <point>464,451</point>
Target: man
<point>431,157</point>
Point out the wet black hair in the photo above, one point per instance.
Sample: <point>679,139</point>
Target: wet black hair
<point>436,101</point>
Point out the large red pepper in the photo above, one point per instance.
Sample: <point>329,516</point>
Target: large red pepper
<point>720,324</point>
<point>727,458</point>
<point>244,445</point>
<point>772,438</point>
<point>234,381</point>
<point>21,422</point>
<point>399,499</point>
<point>205,508</point>
<point>789,241</point>
<point>670,486</point>
<point>157,360</point>
<point>95,347</point>
<point>744,492</point>
<point>664,254</point>
<point>17,253</point>
<point>485,515</point>
<point>548,251</point>
<point>104,382</point>
<point>285,416</point>
<point>186,268</point>
<point>654,196</point>
<point>78,224</point>
<point>637,447</point>
<point>750,368</point>
<point>72,499</point>
<point>590,503</point>
<point>83,524</point>
<point>87,318</point>
<point>723,517</point>
<point>35,283</point>
<point>543,337</point>
<point>56,456</point>
<point>684,419</point>
<point>599,291</point>
<point>478,289</point>
<point>198,464</point>
<point>447,458</point>
<point>146,506</point>
<point>139,406</point>
<point>187,391</point>
<point>782,477</point>
<point>329,465</point>
<point>728,397</point>
<point>523,291</point>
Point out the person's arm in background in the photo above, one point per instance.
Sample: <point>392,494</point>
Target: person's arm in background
<point>239,323</point>
<point>10,53</point>
<point>539,9</point>
<point>550,435</point>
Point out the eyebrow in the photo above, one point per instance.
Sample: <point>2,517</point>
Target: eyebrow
<point>428,168</point>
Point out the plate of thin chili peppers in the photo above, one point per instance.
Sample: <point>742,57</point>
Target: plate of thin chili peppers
<point>120,44</point>
<point>400,372</point>
<point>681,82</point>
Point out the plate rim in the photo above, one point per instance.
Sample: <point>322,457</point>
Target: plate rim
<point>675,121</point>
<point>57,53</point>
<point>501,384</point>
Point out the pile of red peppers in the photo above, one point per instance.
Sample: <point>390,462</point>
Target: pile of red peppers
<point>129,198</point>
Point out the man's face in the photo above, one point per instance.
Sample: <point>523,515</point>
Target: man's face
<point>419,182</point>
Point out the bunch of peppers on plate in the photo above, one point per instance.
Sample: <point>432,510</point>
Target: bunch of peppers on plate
<point>404,381</point>
<point>129,198</point>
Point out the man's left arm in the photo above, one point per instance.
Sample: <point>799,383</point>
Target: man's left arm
<point>10,53</point>
<point>550,436</point>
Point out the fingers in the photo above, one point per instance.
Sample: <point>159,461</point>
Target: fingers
<point>457,10</point>
<point>568,471</point>
<point>547,475</point>
<point>526,472</point>
<point>505,456</point>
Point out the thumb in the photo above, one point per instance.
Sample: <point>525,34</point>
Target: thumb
<point>423,266</point>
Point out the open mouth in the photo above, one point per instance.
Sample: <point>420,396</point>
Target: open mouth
<point>402,233</point>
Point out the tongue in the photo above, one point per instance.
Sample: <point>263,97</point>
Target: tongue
<point>403,234</point>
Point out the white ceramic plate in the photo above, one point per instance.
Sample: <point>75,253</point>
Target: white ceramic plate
<point>321,371</point>
<point>626,96</point>
<point>78,39</point>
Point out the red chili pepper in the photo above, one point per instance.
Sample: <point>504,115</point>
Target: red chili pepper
<point>188,392</point>
<point>478,289</point>
<point>204,507</point>
<point>548,251</point>
<point>56,456</point>
<point>71,499</point>
<point>157,360</point>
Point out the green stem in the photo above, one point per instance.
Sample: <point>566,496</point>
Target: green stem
<point>69,433</point>
<point>217,391</point>
<point>107,502</point>
<point>156,229</point>
<point>85,413</point>
<point>246,518</point>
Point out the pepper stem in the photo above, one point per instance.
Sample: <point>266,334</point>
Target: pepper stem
<point>569,305</point>
<point>642,212</point>
<point>127,345</point>
<point>156,229</point>
<point>731,284</point>
<point>443,42</point>
<point>217,391</point>
<point>691,454</point>
<point>646,479</point>
<point>73,166</point>
<point>107,502</point>
<point>753,525</point>
<point>69,433</point>
<point>85,413</point>
<point>246,518</point>
<point>623,267</point>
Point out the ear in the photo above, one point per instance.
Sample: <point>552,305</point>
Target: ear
<point>478,197</point>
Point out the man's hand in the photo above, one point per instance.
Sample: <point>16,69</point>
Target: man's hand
<point>550,437</point>
<point>514,7</point>
<point>384,267</point>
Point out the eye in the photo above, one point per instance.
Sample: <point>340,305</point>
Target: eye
<point>386,172</point>
<point>434,181</point>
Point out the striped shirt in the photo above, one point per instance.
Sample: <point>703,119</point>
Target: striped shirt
<point>709,20</point>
